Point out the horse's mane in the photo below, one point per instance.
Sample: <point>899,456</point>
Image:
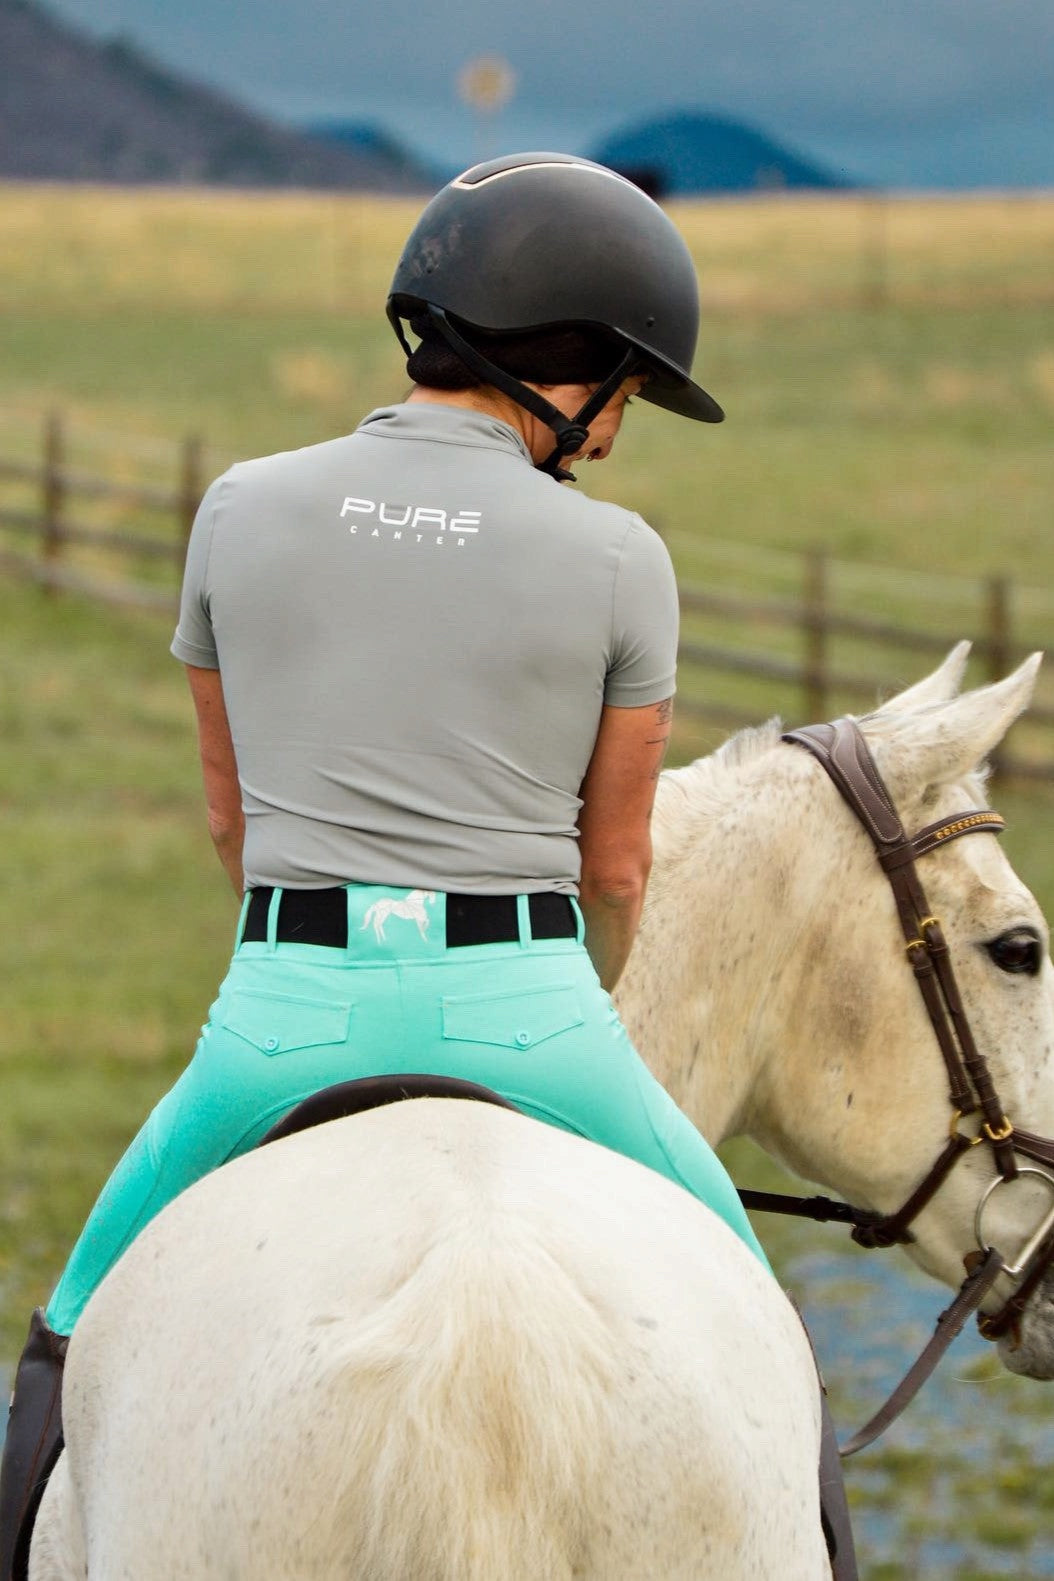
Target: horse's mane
<point>706,788</point>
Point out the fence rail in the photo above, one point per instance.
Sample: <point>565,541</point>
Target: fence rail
<point>802,645</point>
<point>47,517</point>
<point>993,644</point>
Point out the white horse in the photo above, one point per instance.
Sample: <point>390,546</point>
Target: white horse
<point>769,988</point>
<point>441,1340</point>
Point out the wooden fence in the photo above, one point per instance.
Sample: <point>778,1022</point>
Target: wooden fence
<point>792,651</point>
<point>822,684</point>
<point>54,523</point>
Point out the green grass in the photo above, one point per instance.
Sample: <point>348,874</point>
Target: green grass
<point>862,432</point>
<point>116,916</point>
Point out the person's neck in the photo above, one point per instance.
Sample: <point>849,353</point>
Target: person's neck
<point>483,399</point>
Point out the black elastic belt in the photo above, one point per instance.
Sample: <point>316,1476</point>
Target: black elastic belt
<point>320,916</point>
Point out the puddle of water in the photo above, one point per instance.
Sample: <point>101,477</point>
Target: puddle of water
<point>958,1486</point>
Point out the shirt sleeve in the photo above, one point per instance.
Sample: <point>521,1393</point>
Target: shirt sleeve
<point>194,642</point>
<point>645,622</point>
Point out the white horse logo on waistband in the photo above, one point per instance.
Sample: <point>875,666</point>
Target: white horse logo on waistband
<point>412,908</point>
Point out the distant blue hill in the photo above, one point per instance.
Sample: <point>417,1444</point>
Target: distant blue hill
<point>687,153</point>
<point>383,150</point>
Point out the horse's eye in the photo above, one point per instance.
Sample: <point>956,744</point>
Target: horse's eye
<point>1017,951</point>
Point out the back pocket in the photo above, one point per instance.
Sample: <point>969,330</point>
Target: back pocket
<point>517,1020</point>
<point>281,1023</point>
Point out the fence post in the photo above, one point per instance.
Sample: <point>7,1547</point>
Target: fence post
<point>874,250</point>
<point>53,490</point>
<point>998,647</point>
<point>998,627</point>
<point>814,623</point>
<point>190,492</point>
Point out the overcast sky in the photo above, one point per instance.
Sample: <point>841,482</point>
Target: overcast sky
<point>901,92</point>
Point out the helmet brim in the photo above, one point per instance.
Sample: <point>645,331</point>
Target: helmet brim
<point>671,389</point>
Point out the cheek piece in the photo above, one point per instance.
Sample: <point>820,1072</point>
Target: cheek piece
<point>571,432</point>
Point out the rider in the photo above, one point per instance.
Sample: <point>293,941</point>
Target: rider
<point>433,692</point>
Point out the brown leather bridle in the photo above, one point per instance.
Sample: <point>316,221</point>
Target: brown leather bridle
<point>845,756</point>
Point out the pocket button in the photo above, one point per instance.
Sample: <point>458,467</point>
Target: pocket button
<point>270,1045</point>
<point>523,1038</point>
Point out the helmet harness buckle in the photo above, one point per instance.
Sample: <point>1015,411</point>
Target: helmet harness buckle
<point>571,432</point>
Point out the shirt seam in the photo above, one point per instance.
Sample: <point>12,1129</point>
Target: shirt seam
<point>619,560</point>
<point>634,521</point>
<point>222,484</point>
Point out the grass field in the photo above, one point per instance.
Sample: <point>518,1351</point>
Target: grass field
<point>888,370</point>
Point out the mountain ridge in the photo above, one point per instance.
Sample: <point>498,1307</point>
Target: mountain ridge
<point>75,109</point>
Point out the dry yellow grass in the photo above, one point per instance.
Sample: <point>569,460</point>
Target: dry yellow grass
<point>197,248</point>
<point>209,250</point>
<point>793,251</point>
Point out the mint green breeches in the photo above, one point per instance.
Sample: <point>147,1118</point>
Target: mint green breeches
<point>528,1019</point>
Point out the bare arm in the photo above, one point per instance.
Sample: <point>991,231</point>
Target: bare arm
<point>220,771</point>
<point>614,829</point>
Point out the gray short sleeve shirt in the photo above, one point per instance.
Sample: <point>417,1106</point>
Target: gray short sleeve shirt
<point>416,632</point>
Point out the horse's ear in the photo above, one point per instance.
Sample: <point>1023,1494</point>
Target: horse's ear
<point>947,741</point>
<point>943,684</point>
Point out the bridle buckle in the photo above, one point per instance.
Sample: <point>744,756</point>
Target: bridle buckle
<point>956,1134</point>
<point>923,942</point>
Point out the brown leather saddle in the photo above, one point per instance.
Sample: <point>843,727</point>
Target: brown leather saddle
<point>373,1092</point>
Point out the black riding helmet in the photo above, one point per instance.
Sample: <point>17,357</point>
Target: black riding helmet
<point>541,241</point>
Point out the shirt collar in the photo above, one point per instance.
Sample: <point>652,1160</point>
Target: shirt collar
<point>444,425</point>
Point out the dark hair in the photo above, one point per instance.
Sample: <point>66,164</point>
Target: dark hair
<point>565,354</point>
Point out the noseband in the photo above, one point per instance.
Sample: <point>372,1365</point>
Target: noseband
<point>844,754</point>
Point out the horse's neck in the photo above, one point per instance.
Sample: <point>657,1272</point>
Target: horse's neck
<point>708,992</point>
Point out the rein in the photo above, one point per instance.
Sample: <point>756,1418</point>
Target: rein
<point>843,753</point>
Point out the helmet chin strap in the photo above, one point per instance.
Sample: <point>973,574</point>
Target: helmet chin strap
<point>571,432</point>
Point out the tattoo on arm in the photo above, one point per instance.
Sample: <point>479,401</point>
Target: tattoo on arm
<point>663,717</point>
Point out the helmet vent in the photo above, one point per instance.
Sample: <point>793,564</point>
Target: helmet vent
<point>495,170</point>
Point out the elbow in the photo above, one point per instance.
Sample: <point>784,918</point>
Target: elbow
<point>617,886</point>
<point>226,829</point>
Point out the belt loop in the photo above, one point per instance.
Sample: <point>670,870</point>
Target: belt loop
<point>242,916</point>
<point>523,921</point>
<point>272,919</point>
<point>580,921</point>
<point>347,913</point>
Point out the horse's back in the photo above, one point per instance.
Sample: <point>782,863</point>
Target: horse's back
<point>440,1341</point>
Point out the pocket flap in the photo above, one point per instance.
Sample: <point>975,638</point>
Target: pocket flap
<point>515,1020</point>
<point>279,1023</point>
